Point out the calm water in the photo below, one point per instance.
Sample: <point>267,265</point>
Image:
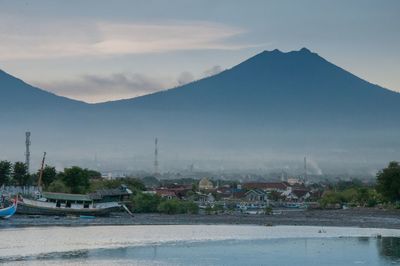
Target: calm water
<point>199,245</point>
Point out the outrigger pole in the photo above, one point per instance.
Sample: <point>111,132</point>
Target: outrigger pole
<point>41,172</point>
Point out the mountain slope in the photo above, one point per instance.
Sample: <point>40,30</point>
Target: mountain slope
<point>273,108</point>
<point>16,95</point>
<point>278,85</point>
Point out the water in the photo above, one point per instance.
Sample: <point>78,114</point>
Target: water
<point>199,245</point>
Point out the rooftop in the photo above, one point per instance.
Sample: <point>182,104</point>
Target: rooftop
<point>265,185</point>
<point>65,196</point>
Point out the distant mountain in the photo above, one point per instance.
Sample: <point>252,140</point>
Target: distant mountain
<point>267,112</point>
<point>294,85</point>
<point>17,96</point>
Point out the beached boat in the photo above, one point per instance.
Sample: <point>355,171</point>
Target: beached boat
<point>100,203</point>
<point>42,207</point>
<point>295,205</point>
<point>7,212</point>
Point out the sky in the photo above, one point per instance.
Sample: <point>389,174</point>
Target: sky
<point>96,51</point>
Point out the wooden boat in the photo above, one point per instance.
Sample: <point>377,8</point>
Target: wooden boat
<point>9,211</point>
<point>62,204</point>
<point>100,203</point>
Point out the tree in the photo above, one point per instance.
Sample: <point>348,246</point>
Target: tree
<point>192,207</point>
<point>146,203</point>
<point>20,174</point>
<point>175,206</point>
<point>5,172</point>
<point>58,186</point>
<point>76,179</point>
<point>133,184</point>
<point>93,174</point>
<point>150,181</point>
<point>49,175</point>
<point>172,206</point>
<point>388,182</point>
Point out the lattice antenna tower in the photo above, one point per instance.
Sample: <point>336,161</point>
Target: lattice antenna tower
<point>305,169</point>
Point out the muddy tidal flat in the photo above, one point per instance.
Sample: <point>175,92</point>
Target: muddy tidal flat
<point>357,217</point>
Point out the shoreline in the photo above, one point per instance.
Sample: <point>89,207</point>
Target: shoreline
<point>356,217</point>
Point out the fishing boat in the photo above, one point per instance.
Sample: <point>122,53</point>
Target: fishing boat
<point>7,212</point>
<point>100,203</point>
<point>66,204</point>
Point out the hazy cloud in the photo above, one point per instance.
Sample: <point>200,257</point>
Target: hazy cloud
<point>213,71</point>
<point>46,40</point>
<point>100,88</point>
<point>185,77</point>
<point>96,88</point>
<point>313,167</point>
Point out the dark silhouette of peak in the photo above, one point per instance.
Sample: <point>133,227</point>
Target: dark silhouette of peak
<point>301,80</point>
<point>17,95</point>
<point>304,50</point>
<point>275,102</point>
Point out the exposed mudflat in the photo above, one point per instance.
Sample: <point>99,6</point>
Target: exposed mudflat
<point>357,217</point>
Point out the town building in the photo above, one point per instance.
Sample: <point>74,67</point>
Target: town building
<point>205,184</point>
<point>267,186</point>
<point>256,195</point>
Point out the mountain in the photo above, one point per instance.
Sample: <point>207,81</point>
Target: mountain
<point>17,96</point>
<point>267,112</point>
<point>295,84</point>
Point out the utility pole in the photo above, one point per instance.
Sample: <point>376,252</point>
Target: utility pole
<point>156,157</point>
<point>41,172</point>
<point>27,151</point>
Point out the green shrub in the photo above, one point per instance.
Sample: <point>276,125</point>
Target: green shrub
<point>58,186</point>
<point>268,210</point>
<point>145,203</point>
<point>172,206</point>
<point>175,206</point>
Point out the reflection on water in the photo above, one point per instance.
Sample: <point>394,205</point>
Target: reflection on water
<point>389,247</point>
<point>316,251</point>
<point>199,245</point>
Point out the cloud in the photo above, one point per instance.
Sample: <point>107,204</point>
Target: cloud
<point>185,77</point>
<point>96,88</point>
<point>213,71</point>
<point>75,39</point>
<point>100,88</point>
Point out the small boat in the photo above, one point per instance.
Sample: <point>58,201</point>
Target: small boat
<point>87,217</point>
<point>9,211</point>
<point>294,205</point>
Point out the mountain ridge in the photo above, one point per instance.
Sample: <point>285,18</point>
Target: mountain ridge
<point>278,105</point>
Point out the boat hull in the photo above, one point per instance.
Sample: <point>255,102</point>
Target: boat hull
<point>30,209</point>
<point>8,212</point>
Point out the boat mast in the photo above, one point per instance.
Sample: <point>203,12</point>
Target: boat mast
<point>41,172</point>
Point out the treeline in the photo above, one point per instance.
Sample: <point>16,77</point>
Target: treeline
<point>354,196</point>
<point>15,174</point>
<point>74,179</point>
<point>385,192</point>
<point>148,203</point>
<point>78,180</point>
